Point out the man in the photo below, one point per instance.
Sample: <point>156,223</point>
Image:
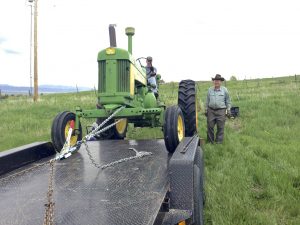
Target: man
<point>151,76</point>
<point>217,102</point>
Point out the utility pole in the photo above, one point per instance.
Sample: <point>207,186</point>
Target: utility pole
<point>35,53</point>
<point>36,94</point>
<point>30,59</point>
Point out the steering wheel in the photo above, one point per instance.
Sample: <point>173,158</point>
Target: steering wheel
<point>139,60</point>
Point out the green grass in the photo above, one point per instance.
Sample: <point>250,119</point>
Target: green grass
<point>253,178</point>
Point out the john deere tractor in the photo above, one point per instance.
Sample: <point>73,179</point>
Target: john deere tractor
<point>124,97</point>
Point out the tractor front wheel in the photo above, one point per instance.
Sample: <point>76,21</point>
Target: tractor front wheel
<point>60,128</point>
<point>174,129</point>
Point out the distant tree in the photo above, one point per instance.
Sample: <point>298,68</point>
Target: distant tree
<point>161,81</point>
<point>233,78</point>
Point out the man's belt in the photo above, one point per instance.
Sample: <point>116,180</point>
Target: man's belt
<point>216,109</point>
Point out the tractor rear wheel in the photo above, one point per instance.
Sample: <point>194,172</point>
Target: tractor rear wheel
<point>187,101</point>
<point>120,129</point>
<point>108,134</point>
<point>174,129</point>
<point>60,128</point>
<point>116,132</point>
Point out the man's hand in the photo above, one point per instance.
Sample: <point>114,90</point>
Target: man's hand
<point>228,113</point>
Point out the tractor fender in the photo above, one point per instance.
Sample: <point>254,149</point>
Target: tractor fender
<point>150,100</point>
<point>186,173</point>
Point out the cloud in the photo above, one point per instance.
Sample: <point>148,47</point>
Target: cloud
<point>7,50</point>
<point>11,51</point>
<point>2,40</point>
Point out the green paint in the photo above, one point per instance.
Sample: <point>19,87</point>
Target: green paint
<point>150,100</point>
<point>129,32</point>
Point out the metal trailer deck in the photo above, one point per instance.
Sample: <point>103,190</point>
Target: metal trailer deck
<point>132,192</point>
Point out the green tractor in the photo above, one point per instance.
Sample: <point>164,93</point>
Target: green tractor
<point>124,96</point>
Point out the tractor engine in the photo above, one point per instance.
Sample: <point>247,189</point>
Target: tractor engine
<point>122,81</point>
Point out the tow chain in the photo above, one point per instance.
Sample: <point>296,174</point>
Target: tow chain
<point>97,131</point>
<point>23,171</point>
<point>49,212</point>
<point>66,152</point>
<point>137,156</point>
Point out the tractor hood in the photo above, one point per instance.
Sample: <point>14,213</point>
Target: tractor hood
<point>115,53</point>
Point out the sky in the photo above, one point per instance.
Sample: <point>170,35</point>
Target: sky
<point>191,39</point>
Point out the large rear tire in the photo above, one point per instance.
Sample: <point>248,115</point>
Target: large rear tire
<point>174,129</point>
<point>187,101</point>
<point>60,128</point>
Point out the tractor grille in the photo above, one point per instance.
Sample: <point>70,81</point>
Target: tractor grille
<point>123,81</point>
<point>102,76</point>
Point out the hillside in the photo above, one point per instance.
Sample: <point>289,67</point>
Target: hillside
<point>253,178</point>
<point>9,89</point>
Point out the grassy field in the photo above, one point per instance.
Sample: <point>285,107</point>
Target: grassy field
<point>253,178</point>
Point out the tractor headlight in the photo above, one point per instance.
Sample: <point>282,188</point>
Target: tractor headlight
<point>110,51</point>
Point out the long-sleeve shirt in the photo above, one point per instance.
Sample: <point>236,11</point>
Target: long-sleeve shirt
<point>151,78</point>
<point>150,73</point>
<point>218,98</point>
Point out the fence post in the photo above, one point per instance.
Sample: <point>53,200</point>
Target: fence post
<point>95,91</point>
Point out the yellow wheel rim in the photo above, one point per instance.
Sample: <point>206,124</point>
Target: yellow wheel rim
<point>74,138</point>
<point>180,128</point>
<point>121,126</point>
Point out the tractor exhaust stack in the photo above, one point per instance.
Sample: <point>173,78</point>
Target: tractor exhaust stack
<point>129,32</point>
<point>112,35</point>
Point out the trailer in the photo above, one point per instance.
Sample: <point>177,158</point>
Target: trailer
<point>160,188</point>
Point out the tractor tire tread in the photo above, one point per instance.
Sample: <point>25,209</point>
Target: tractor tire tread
<point>187,103</point>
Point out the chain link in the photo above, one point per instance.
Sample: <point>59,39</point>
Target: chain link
<point>97,165</point>
<point>88,137</point>
<point>23,171</point>
<point>49,211</point>
<point>95,131</point>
